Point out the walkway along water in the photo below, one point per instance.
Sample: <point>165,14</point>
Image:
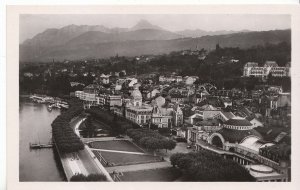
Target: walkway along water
<point>83,161</point>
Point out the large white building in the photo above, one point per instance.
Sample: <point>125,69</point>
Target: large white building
<point>164,116</point>
<point>270,67</point>
<point>136,111</point>
<point>170,78</point>
<point>109,100</point>
<point>89,94</point>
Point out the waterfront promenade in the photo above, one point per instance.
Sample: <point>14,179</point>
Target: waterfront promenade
<point>81,162</point>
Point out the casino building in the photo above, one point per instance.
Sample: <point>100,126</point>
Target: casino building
<point>135,110</point>
<point>238,140</point>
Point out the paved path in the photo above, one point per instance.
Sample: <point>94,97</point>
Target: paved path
<point>85,140</point>
<point>76,128</point>
<point>76,165</point>
<point>119,151</point>
<point>137,167</point>
<point>85,163</point>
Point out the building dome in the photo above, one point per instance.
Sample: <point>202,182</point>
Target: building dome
<point>136,94</point>
<point>237,130</point>
<point>238,123</point>
<point>233,136</point>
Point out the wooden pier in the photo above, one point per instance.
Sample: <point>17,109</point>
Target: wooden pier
<point>40,146</point>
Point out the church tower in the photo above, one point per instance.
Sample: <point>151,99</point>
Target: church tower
<point>177,116</point>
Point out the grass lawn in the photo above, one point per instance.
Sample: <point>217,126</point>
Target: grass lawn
<point>118,159</point>
<point>121,145</point>
<point>163,174</point>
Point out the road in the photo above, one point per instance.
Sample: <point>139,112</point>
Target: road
<point>82,161</point>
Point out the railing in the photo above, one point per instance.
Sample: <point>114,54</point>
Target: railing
<point>255,155</point>
<point>100,157</point>
<point>241,150</point>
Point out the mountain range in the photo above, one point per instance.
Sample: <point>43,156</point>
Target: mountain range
<point>84,41</point>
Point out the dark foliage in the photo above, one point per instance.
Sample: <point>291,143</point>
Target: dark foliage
<point>206,166</point>
<point>118,125</point>
<point>63,135</point>
<point>90,177</point>
<point>180,139</point>
<point>151,139</point>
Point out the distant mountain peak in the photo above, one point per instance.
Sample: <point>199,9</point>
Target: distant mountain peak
<point>145,24</point>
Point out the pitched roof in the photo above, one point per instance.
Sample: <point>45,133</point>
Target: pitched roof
<point>229,115</point>
<point>238,122</point>
<point>208,107</point>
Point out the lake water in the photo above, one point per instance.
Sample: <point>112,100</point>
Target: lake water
<point>35,126</point>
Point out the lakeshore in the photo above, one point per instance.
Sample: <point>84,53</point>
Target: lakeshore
<point>35,126</point>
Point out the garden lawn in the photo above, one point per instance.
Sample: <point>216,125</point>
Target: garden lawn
<point>118,159</point>
<point>121,145</point>
<point>163,174</point>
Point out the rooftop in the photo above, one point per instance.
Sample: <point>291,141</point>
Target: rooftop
<point>237,121</point>
<point>261,171</point>
<point>233,136</point>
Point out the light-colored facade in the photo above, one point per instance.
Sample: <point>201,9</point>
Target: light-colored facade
<point>189,80</point>
<point>140,115</point>
<point>86,96</point>
<point>136,111</point>
<point>109,100</point>
<point>270,67</point>
<point>165,116</point>
<point>104,78</point>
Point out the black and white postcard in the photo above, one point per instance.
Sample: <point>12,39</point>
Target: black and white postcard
<point>105,95</point>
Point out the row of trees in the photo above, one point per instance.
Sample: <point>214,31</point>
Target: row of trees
<point>90,177</point>
<point>90,127</point>
<point>207,166</point>
<point>151,139</point>
<point>63,135</point>
<point>118,125</point>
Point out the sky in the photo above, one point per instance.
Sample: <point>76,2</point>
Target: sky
<point>30,25</point>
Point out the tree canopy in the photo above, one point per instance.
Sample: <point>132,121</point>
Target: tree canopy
<point>90,177</point>
<point>151,139</point>
<point>207,166</point>
<point>63,135</point>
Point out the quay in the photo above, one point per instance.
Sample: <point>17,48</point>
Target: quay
<point>40,146</point>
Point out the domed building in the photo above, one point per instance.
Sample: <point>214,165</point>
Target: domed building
<point>135,110</point>
<point>136,96</point>
<point>165,115</point>
<point>237,132</point>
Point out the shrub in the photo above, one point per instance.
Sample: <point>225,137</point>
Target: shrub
<point>180,139</point>
<point>90,177</point>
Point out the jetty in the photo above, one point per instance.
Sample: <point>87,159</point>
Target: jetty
<point>40,145</point>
